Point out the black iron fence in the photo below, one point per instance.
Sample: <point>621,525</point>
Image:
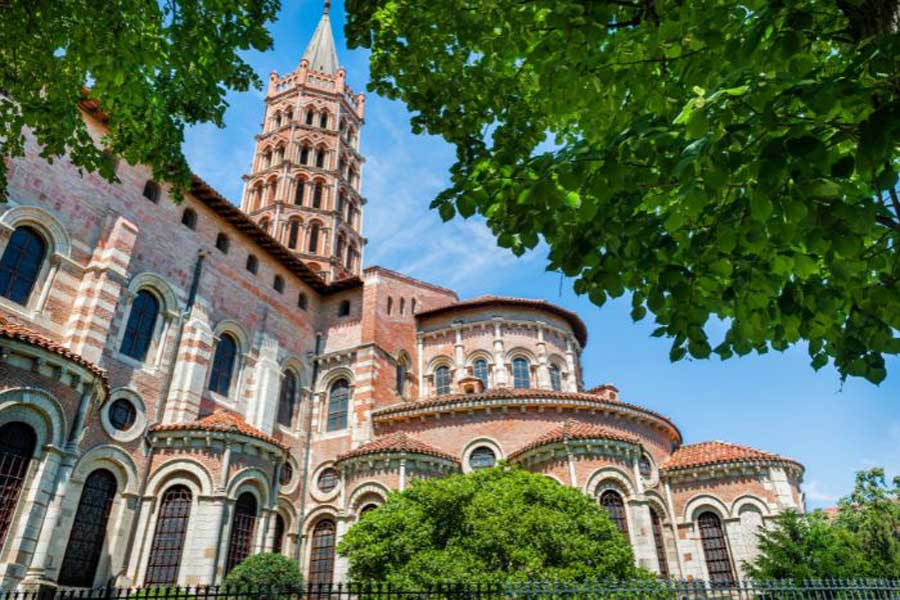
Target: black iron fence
<point>820,589</point>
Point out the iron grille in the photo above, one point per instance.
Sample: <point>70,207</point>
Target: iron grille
<point>242,526</point>
<point>17,442</point>
<point>321,559</point>
<point>612,502</point>
<point>79,566</point>
<point>715,549</point>
<point>168,538</point>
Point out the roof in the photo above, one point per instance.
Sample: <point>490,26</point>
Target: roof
<point>706,454</point>
<point>321,52</point>
<point>220,421</point>
<point>580,398</point>
<point>21,333</point>
<point>396,443</point>
<point>574,430</point>
<point>408,279</point>
<point>482,301</point>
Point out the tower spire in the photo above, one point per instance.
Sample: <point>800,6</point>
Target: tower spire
<point>321,53</point>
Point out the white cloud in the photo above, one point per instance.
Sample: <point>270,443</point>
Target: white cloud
<point>817,494</point>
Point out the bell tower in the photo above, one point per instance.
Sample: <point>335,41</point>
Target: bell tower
<point>304,184</point>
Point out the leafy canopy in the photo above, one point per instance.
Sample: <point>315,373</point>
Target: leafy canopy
<point>863,540</point>
<point>154,66</point>
<point>267,570</point>
<point>494,526</point>
<point>714,158</point>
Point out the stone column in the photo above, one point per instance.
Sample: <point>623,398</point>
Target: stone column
<point>459,370</point>
<point>543,372</point>
<point>501,380</point>
<point>571,366</point>
<point>420,349</point>
<point>641,533</point>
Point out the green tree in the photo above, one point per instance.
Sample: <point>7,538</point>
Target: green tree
<point>862,540</point>
<point>155,67</point>
<point>807,547</point>
<point>268,570</point>
<point>714,158</point>
<point>491,526</point>
<point>872,513</point>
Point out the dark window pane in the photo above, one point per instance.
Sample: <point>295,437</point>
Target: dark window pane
<point>243,525</point>
<point>141,324</point>
<point>17,442</point>
<point>189,218</point>
<point>287,399</point>
<point>612,502</point>
<point>482,458</point>
<point>151,191</point>
<point>660,544</point>
<point>338,404</point>
<point>223,365</point>
<point>328,480</point>
<point>252,264</point>
<point>286,474</point>
<point>521,374</point>
<point>321,559</point>
<point>21,264</point>
<point>313,245</point>
<point>555,378</point>
<point>122,414</point>
<point>442,381</point>
<point>168,537</point>
<point>278,540</point>
<point>293,234</point>
<point>715,550</point>
<point>344,308</point>
<point>317,195</point>
<point>480,370</point>
<point>79,566</point>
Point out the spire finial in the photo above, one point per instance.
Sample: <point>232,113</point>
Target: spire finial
<point>327,6</point>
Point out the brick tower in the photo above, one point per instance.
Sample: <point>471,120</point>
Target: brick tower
<point>304,183</point>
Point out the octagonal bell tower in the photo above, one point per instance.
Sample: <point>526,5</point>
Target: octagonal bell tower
<point>304,184</point>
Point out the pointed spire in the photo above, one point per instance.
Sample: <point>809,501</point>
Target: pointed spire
<point>321,52</point>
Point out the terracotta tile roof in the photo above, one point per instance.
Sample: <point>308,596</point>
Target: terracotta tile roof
<point>396,443</point>
<point>574,320</point>
<point>221,421</point>
<point>715,452</point>
<point>581,398</point>
<point>574,430</point>
<point>21,333</point>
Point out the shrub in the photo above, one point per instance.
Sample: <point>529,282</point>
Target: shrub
<point>267,570</point>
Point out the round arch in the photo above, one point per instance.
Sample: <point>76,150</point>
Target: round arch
<point>110,457</point>
<point>330,377</point>
<point>39,410</point>
<point>746,500</point>
<point>250,479</point>
<point>609,478</point>
<point>237,330</point>
<point>157,285</point>
<point>366,489</point>
<point>42,221</point>
<point>703,502</point>
<point>181,470</point>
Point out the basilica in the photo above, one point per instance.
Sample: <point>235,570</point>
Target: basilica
<point>184,384</point>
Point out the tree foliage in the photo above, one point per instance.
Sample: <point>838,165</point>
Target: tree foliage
<point>267,570</point>
<point>714,158</point>
<point>862,540</point>
<point>155,67</point>
<point>494,525</point>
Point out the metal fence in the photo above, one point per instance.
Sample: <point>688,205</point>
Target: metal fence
<point>823,589</point>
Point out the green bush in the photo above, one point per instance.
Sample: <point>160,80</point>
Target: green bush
<point>265,570</point>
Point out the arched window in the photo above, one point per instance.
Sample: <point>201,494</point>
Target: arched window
<point>309,116</point>
<point>660,544</point>
<point>401,376</point>
<point>480,370</point>
<point>390,305</point>
<point>321,555</point>
<point>302,301</point>
<point>313,245</point>
<point>223,365</point>
<point>555,378</point>
<point>151,191</point>
<point>243,524</point>
<point>168,537</point>
<point>351,262</point>
<point>715,550</point>
<point>317,195</point>
<point>252,264</point>
<point>21,263</point>
<point>17,442</point>
<point>222,243</point>
<point>304,155</point>
<point>367,509</point>
<point>339,246</point>
<point>482,457</point>
<point>189,218</point>
<point>323,120</point>
<point>286,475</point>
<point>293,234</point>
<point>278,542</point>
<point>412,307</point>
<point>521,373</point>
<point>298,192</point>
<point>320,158</point>
<point>141,324</point>
<point>264,225</point>
<point>402,300</point>
<point>287,399</point>
<point>267,159</point>
<point>611,500</point>
<point>278,283</point>
<point>338,404</point>
<point>442,380</point>
<point>79,565</point>
<point>344,308</point>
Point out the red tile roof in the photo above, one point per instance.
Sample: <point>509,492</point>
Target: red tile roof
<point>574,430</point>
<point>713,453</point>
<point>21,333</point>
<point>514,394</point>
<point>574,320</point>
<point>221,421</point>
<point>396,443</point>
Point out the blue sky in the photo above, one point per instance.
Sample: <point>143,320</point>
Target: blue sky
<point>773,402</point>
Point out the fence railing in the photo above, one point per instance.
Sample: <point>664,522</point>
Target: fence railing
<point>820,589</point>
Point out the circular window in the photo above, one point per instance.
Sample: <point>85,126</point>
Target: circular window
<point>328,480</point>
<point>122,414</point>
<point>286,475</point>
<point>482,457</point>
